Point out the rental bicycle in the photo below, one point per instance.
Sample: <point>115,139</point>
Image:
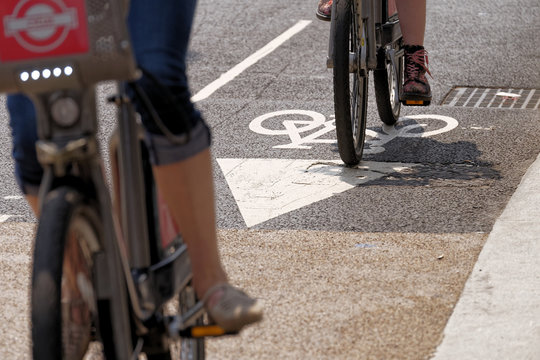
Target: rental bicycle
<point>364,36</point>
<point>109,263</point>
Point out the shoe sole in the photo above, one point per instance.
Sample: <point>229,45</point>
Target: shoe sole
<point>322,17</point>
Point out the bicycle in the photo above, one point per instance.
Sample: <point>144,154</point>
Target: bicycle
<point>364,36</point>
<point>109,263</point>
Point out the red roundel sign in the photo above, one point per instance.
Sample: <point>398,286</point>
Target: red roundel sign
<point>32,29</point>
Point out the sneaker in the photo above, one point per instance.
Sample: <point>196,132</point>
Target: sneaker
<point>416,89</point>
<point>231,308</point>
<point>324,10</point>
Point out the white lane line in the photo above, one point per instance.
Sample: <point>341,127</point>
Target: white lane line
<point>252,59</point>
<point>498,313</point>
<point>3,218</point>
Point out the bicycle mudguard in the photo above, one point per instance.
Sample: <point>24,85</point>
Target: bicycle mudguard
<point>47,45</point>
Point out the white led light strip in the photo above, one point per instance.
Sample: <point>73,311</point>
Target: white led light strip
<point>46,73</point>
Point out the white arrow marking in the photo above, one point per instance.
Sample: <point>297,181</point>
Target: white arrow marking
<point>266,188</point>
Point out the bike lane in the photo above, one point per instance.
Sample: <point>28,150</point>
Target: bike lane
<point>375,268</point>
<point>383,251</point>
<point>368,262</point>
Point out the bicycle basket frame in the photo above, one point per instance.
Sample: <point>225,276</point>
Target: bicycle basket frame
<point>47,45</point>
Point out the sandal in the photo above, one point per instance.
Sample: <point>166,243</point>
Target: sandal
<point>233,310</point>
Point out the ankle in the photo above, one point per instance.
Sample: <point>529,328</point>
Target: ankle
<point>205,285</point>
<point>410,48</point>
<point>213,296</point>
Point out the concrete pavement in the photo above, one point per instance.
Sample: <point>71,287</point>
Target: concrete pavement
<point>498,314</point>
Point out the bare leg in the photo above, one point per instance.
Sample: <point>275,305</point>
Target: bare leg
<point>412,18</point>
<point>190,188</point>
<point>34,203</point>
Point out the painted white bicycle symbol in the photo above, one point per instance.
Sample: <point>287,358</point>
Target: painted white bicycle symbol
<point>296,123</point>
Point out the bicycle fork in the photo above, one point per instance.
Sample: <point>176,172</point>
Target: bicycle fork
<point>365,57</point>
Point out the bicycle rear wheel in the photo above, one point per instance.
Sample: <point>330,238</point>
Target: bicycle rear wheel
<point>63,302</point>
<point>350,81</point>
<point>387,80</point>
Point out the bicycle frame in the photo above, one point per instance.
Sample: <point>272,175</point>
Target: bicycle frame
<point>382,25</point>
<point>123,258</point>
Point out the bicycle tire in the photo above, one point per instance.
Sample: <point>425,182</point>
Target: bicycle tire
<point>62,302</point>
<point>387,80</point>
<point>350,104</point>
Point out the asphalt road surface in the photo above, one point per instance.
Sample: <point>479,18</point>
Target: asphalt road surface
<point>428,249</point>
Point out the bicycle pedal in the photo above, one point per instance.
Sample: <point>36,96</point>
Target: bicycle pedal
<point>204,331</point>
<point>416,102</point>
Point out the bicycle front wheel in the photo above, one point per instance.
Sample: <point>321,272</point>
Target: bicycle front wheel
<point>63,302</point>
<point>350,81</point>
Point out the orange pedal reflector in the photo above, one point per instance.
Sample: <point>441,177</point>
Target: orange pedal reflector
<point>210,330</point>
<point>414,102</point>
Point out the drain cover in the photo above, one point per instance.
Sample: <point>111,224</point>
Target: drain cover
<point>505,98</point>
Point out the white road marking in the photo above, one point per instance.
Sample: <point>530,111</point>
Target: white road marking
<point>266,188</point>
<point>295,123</point>
<point>251,60</point>
<point>4,218</point>
<point>12,197</point>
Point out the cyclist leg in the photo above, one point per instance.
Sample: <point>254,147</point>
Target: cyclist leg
<point>28,171</point>
<point>183,172</point>
<point>412,19</point>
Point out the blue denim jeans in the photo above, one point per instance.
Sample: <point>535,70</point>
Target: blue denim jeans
<point>160,34</point>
